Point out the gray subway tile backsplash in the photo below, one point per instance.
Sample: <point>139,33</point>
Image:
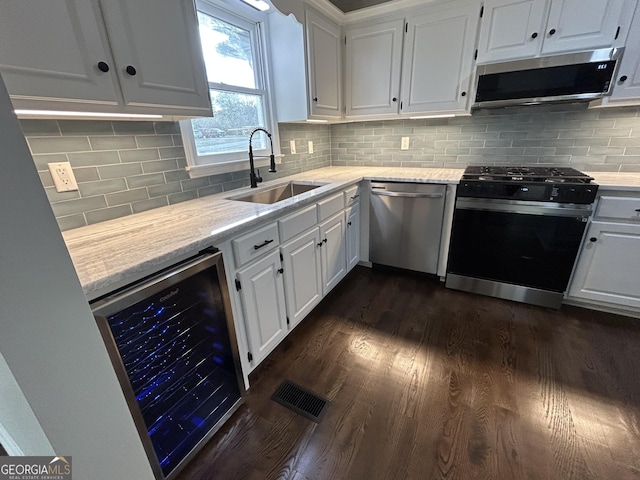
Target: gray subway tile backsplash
<point>129,167</point>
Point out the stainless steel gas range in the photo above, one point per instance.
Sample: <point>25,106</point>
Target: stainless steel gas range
<point>517,231</point>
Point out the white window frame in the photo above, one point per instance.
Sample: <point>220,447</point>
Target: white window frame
<point>237,13</point>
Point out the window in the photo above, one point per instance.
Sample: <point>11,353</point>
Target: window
<point>234,55</point>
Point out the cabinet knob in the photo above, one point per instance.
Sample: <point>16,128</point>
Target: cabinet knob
<point>464,94</point>
<point>623,78</point>
<point>552,31</point>
<point>131,70</point>
<point>320,244</point>
<point>593,239</point>
<point>325,240</point>
<point>394,99</point>
<point>349,223</point>
<point>315,99</point>
<point>534,35</point>
<point>281,270</point>
<point>638,210</point>
<point>103,67</point>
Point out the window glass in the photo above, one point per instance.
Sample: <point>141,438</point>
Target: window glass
<point>234,58</point>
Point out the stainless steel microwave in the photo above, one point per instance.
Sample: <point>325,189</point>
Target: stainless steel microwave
<point>580,76</point>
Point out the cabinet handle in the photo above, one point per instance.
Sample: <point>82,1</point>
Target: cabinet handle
<point>103,67</point>
<point>315,99</point>
<point>638,210</point>
<point>355,196</point>
<point>593,239</point>
<point>552,31</point>
<point>263,244</point>
<point>130,70</point>
<point>281,270</point>
<point>623,78</point>
<point>534,35</point>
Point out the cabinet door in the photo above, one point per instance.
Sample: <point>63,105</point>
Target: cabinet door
<point>373,60</point>
<point>324,65</point>
<point>627,85</point>
<point>511,29</point>
<point>608,266</point>
<point>157,50</point>
<point>353,236</point>
<point>302,275</point>
<point>262,295</point>
<point>51,50</point>
<point>581,25</point>
<point>334,266</point>
<point>438,60</point>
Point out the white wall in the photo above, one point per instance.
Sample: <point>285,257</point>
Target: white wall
<point>49,338</point>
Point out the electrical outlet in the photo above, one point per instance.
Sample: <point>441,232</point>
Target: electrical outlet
<point>310,146</point>
<point>404,145</point>
<point>63,177</point>
<point>292,145</point>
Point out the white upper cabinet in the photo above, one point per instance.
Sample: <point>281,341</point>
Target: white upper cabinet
<point>427,71</point>
<point>373,61</point>
<point>306,66</point>
<point>513,29</point>
<point>54,50</point>
<point>116,56</point>
<point>324,49</point>
<point>157,52</point>
<point>438,59</point>
<point>627,85</point>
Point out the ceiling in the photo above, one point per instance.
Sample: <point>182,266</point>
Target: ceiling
<point>351,5</point>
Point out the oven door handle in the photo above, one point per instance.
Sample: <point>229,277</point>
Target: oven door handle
<point>526,208</point>
<point>407,195</point>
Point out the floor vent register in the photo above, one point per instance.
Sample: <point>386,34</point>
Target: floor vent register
<point>301,401</point>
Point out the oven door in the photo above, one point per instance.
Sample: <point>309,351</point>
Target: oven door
<point>530,244</point>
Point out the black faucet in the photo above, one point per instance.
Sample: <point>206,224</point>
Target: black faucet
<point>254,177</point>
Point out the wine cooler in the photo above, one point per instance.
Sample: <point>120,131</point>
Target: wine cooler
<point>172,342</point>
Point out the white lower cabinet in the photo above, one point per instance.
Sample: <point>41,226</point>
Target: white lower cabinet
<point>261,290</point>
<point>278,284</point>
<point>302,275</point>
<point>608,266</point>
<point>334,266</point>
<point>352,236</point>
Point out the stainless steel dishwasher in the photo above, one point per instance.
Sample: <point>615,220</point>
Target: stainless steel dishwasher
<point>406,225</point>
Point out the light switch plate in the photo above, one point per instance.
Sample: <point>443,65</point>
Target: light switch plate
<point>63,177</point>
<point>310,146</point>
<point>292,146</point>
<point>404,145</point>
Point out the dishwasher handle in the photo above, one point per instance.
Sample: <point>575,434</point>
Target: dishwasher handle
<point>407,195</point>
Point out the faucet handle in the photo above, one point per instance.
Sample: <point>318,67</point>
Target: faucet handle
<point>258,177</point>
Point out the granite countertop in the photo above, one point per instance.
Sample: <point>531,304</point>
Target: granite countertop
<point>112,254</point>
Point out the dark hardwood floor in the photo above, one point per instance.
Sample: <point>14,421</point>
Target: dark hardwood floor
<point>431,383</point>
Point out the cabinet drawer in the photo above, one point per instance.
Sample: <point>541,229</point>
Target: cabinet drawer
<point>330,206</point>
<point>352,195</point>
<point>624,208</point>
<point>298,222</point>
<point>255,244</point>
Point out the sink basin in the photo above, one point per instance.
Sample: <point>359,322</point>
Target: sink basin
<point>277,193</point>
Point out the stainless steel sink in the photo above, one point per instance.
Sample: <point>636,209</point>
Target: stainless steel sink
<point>277,193</point>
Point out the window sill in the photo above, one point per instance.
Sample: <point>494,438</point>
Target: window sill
<point>198,171</point>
